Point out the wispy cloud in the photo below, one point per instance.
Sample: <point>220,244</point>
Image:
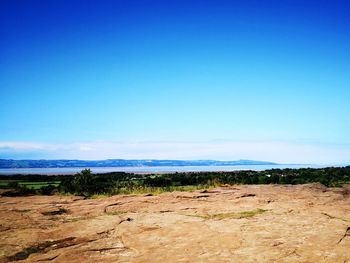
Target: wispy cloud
<point>282,152</point>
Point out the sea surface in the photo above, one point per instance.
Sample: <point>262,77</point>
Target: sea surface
<point>151,169</point>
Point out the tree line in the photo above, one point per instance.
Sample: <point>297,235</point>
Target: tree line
<point>87,183</point>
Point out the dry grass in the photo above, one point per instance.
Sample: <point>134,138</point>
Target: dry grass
<point>232,215</point>
<point>159,190</point>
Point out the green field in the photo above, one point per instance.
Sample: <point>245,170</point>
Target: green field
<point>29,184</point>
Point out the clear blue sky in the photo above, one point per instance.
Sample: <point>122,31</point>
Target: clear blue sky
<point>77,74</point>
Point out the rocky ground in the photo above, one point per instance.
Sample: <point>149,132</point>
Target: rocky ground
<point>248,223</point>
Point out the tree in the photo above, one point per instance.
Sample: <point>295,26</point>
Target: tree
<point>83,182</point>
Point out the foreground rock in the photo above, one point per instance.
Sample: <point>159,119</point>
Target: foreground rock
<point>265,223</point>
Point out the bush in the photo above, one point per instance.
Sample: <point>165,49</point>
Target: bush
<point>48,190</point>
<point>20,191</point>
<point>87,184</point>
<point>13,185</point>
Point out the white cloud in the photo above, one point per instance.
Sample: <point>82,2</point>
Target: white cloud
<point>282,152</point>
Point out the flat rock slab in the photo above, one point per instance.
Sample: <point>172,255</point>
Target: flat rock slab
<point>248,223</point>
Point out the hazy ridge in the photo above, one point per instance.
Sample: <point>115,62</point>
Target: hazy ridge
<point>9,163</point>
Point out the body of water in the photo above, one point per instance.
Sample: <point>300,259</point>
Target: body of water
<point>152,169</point>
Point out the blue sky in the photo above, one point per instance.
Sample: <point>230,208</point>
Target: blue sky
<point>175,79</point>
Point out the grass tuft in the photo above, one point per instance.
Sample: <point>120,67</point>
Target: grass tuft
<point>232,215</point>
<point>22,210</point>
<point>115,213</point>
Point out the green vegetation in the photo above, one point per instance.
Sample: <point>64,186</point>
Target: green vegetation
<point>27,184</point>
<point>88,184</point>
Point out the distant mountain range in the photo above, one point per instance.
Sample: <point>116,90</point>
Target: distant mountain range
<point>8,163</point>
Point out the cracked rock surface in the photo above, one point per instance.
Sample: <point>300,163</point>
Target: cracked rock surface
<point>246,223</point>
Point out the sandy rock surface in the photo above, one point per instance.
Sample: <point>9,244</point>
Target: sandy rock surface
<point>265,223</point>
